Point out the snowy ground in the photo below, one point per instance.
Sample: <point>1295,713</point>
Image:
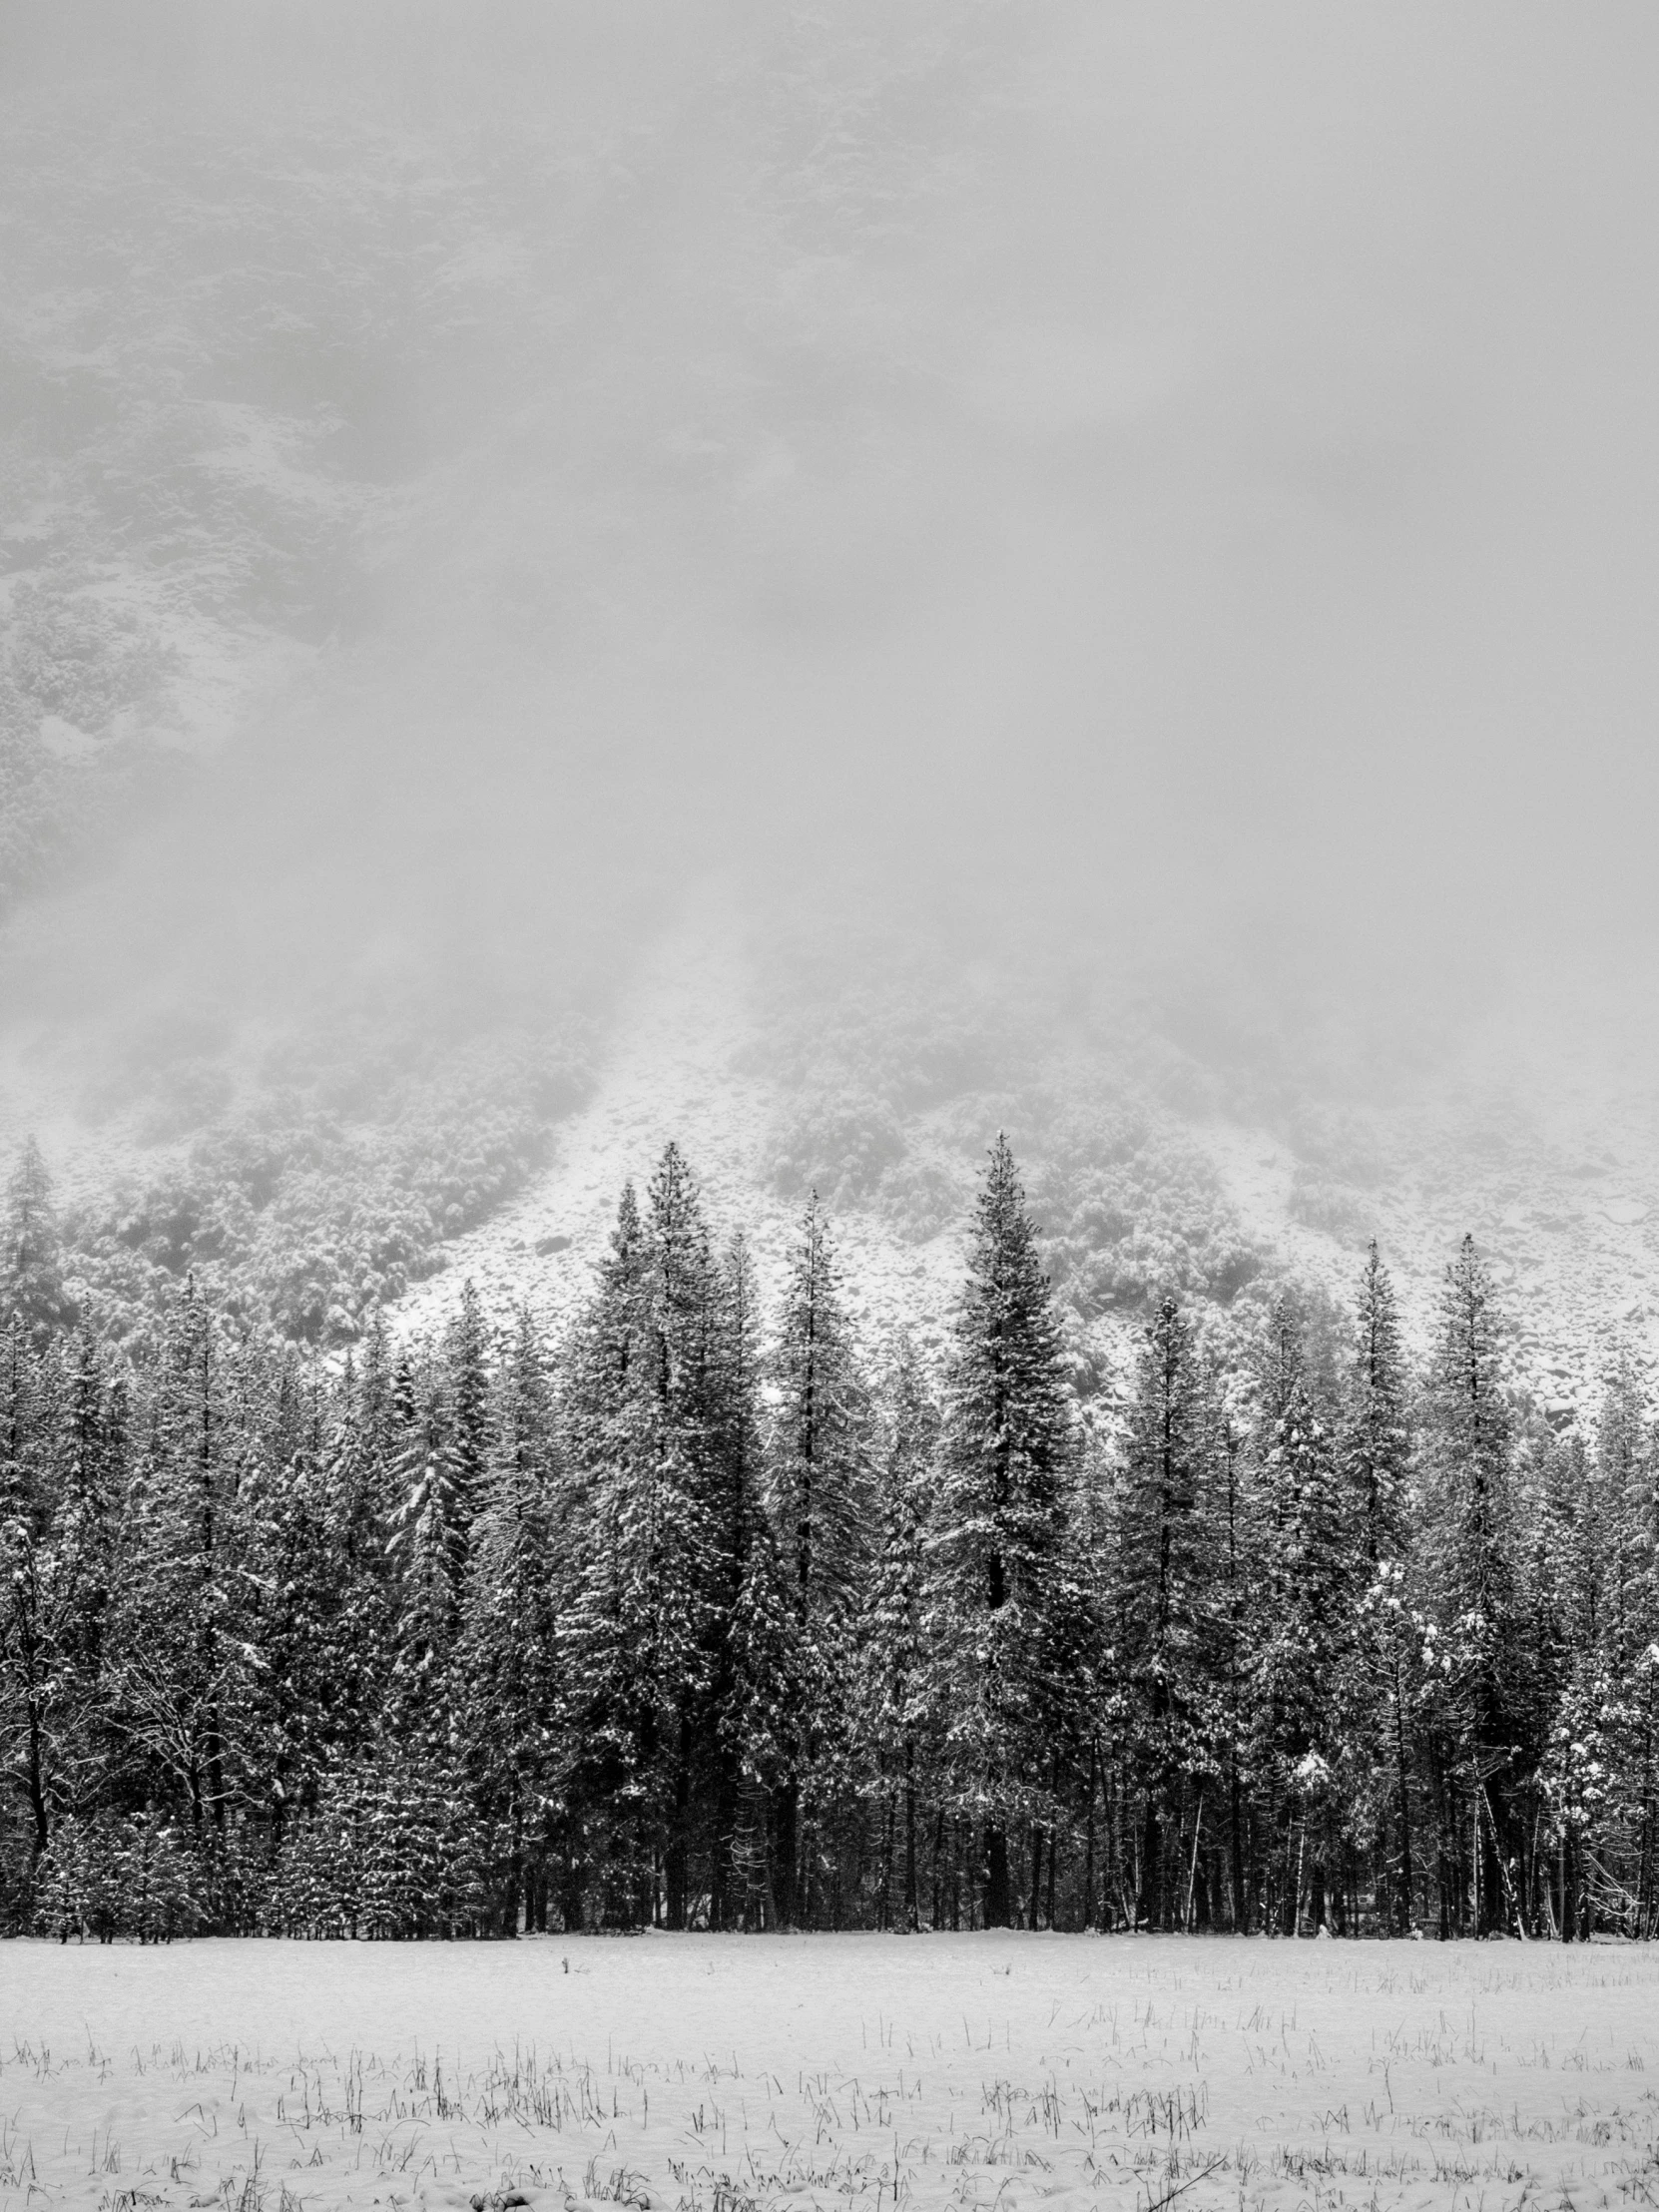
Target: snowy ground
<point>719,2074</point>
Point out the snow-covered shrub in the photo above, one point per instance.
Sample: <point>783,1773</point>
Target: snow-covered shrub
<point>921,1197</point>
<point>81,1881</point>
<point>111,1877</point>
<point>840,1144</point>
<point>1137,1214</point>
<point>1320,1202</point>
<point>392,1850</point>
<point>159,1883</point>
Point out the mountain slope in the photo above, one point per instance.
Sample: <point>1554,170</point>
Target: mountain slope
<point>1560,1197</point>
<point>680,1068</point>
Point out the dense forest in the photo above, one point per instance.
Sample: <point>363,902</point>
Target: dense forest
<point>707,1616</point>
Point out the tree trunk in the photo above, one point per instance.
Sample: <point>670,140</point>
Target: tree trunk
<point>998,1905</point>
<point>787,1836</point>
<point>1152,1857</point>
<point>912,1911</point>
<point>1088,1838</point>
<point>884,1893</point>
<point>1403,1911</point>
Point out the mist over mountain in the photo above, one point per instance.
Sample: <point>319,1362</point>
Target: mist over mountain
<point>1089,573</point>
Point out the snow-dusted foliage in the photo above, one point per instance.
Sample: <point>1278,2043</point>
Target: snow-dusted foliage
<point>699,1616</point>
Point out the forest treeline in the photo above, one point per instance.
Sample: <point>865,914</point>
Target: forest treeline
<point>693,1618</point>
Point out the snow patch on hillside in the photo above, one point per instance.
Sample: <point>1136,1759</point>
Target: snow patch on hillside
<point>679,1069</point>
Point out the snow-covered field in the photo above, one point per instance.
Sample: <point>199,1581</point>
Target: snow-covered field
<point>718,2073</point>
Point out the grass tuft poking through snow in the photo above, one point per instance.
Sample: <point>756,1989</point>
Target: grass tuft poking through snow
<point>731,2074</point>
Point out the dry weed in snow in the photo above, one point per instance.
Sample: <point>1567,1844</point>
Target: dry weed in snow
<point>722,2073</point>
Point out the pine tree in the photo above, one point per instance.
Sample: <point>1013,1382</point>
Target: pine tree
<point>738,1516</point>
<point>1627,1456</point>
<point>1163,1588</point>
<point>637,1639</point>
<point>1000,1585</point>
<point>686,1338</point>
<point>429,1549</point>
<point>769,1693</point>
<point>1308,1615</point>
<point>892,1641</point>
<point>820,1501</point>
<point>597,1722</point>
<point>514,1582</point>
<point>172,1651</point>
<point>1227,1542</point>
<point>33,1296</point>
<point>1593,1641</point>
<point>299,1588</point>
<point>357,1458</point>
<point>1468,1439</point>
<point>1624,1462</point>
<point>82,1538</point>
<point>27,1565</point>
<point>27,1407</point>
<point>467,1397</point>
<point>1377,1447</point>
<point>1377,1434</point>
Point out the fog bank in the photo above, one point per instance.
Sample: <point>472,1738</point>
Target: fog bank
<point>1153,482</point>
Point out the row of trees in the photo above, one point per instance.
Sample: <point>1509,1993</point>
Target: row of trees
<point>693,1619</point>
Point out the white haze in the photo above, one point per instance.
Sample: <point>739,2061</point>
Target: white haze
<point>1149,481</point>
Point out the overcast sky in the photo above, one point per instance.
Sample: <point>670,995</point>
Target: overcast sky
<point>1186,462</point>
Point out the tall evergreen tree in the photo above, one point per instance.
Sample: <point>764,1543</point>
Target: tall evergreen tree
<point>892,1639</point>
<point>737,1510</point>
<point>298,1588</point>
<point>507,1646</point>
<point>1468,1439</point>
<point>638,1629</point>
<point>428,1547</point>
<point>819,1494</point>
<point>1001,1585</point>
<point>83,1537</point>
<point>1161,1598</point>
<point>27,1659</point>
<point>359,1455</point>
<point>467,1399</point>
<point>173,1650</point>
<point>1376,1448</point>
<point>1377,1432</point>
<point>1308,1617</point>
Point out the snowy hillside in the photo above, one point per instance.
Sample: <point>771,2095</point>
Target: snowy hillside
<point>679,1069</point>
<point>1147,1168</point>
<point>1560,1198</point>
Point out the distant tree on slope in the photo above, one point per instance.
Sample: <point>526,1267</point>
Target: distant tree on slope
<point>32,1292</point>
